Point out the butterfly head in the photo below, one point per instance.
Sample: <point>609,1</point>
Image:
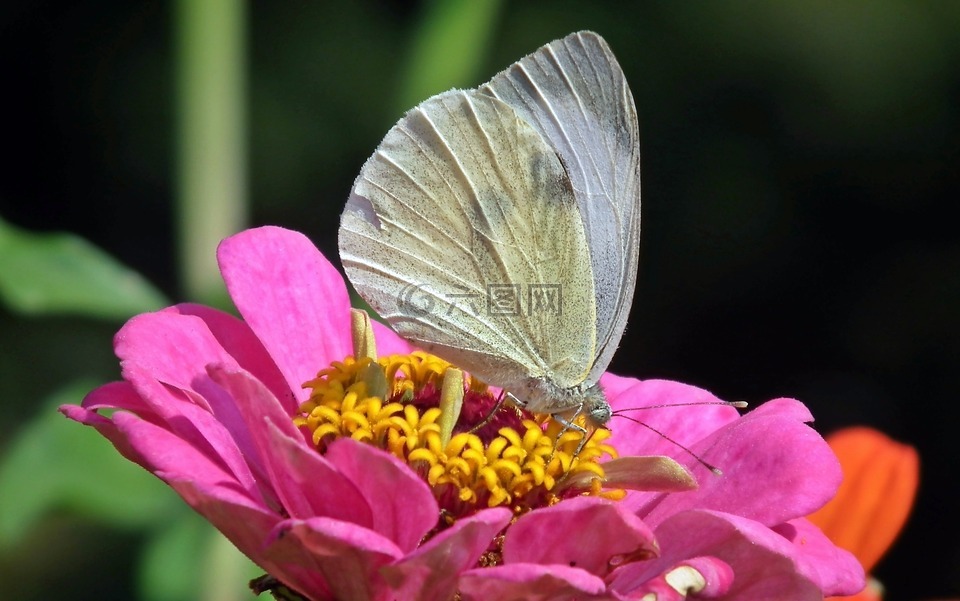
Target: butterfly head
<point>596,407</point>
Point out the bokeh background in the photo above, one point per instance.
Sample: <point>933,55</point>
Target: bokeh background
<point>800,182</point>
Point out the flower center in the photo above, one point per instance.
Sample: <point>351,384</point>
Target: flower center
<point>494,455</point>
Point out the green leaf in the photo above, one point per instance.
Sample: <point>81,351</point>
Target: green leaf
<point>54,462</point>
<point>448,48</point>
<point>63,273</point>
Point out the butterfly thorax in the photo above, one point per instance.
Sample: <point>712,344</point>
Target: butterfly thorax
<point>543,395</point>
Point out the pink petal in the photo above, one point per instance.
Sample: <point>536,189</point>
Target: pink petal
<point>313,487</point>
<point>292,298</point>
<point>614,385</point>
<point>170,410</point>
<point>388,342</point>
<point>685,424</point>
<point>171,458</point>
<point>255,403</point>
<point>529,582</point>
<point>115,395</point>
<point>766,565</point>
<point>404,508</point>
<point>173,349</point>
<point>248,527</point>
<point>786,408</point>
<point>348,557</point>
<point>698,577</point>
<point>588,533</point>
<point>242,344</point>
<point>184,415</point>
<point>432,572</point>
<point>203,483</point>
<point>775,468</point>
<point>120,395</point>
<point>835,570</point>
<point>306,484</point>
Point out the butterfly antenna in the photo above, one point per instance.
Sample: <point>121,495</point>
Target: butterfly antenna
<point>699,459</point>
<point>735,404</point>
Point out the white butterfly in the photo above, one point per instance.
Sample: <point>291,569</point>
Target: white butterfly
<point>498,227</point>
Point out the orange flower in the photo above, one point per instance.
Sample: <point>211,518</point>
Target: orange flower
<point>874,500</point>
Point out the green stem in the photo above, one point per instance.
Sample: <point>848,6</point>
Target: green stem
<point>211,137</point>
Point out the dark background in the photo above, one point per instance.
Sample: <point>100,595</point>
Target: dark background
<point>799,189</point>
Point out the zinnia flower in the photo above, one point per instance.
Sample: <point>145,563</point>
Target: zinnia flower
<point>880,483</point>
<point>354,488</point>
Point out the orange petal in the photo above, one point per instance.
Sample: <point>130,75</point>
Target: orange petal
<point>879,485</point>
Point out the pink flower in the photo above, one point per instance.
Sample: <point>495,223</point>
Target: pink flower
<point>215,407</point>
<point>775,469</point>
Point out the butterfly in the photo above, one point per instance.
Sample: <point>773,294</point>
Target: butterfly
<point>498,227</point>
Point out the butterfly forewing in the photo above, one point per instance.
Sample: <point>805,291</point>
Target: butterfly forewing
<point>463,231</point>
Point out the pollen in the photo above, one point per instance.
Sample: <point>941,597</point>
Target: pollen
<point>496,454</point>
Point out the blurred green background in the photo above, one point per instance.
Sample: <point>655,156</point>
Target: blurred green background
<point>800,177</point>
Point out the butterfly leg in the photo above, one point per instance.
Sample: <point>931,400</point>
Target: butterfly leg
<point>569,424</point>
<point>500,401</point>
